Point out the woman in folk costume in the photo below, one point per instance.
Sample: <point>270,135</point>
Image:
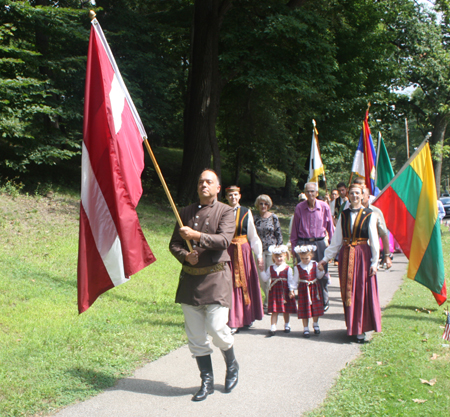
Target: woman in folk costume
<point>279,299</point>
<point>306,276</point>
<point>356,237</point>
<point>247,304</point>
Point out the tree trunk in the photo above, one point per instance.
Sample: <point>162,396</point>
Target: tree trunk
<point>287,185</point>
<point>237,172</point>
<point>202,101</point>
<point>438,136</point>
<point>253,183</point>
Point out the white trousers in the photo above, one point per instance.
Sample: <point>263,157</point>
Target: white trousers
<point>199,321</point>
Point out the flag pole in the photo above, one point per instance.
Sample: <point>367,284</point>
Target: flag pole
<point>378,156</point>
<point>166,189</point>
<point>316,137</point>
<point>407,137</point>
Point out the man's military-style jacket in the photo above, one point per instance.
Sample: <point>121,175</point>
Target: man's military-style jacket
<point>217,225</point>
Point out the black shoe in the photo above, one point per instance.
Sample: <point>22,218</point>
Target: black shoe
<point>316,330</point>
<point>326,307</point>
<point>360,341</point>
<point>271,333</point>
<point>306,334</point>
<point>206,373</point>
<point>231,378</point>
<point>287,330</point>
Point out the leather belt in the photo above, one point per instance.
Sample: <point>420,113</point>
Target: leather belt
<point>205,270</point>
<point>311,239</point>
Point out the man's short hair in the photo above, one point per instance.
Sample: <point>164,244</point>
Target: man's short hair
<point>211,170</point>
<point>341,184</point>
<point>360,181</point>
<point>316,186</point>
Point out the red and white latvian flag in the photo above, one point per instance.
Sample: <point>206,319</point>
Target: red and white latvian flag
<point>112,246</point>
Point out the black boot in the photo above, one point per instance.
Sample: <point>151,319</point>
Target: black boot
<point>206,373</point>
<point>231,379</point>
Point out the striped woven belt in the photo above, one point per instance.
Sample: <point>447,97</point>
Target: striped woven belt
<point>205,270</point>
<point>313,281</point>
<point>273,282</point>
<point>348,266</point>
<point>240,280</point>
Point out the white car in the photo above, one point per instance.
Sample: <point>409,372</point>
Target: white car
<point>446,203</point>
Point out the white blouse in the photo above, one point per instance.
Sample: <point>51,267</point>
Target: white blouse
<point>293,285</point>
<point>265,275</point>
<point>336,241</point>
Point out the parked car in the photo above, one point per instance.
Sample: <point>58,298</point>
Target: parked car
<point>446,203</point>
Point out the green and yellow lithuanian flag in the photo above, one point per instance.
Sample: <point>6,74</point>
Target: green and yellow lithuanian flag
<point>409,205</point>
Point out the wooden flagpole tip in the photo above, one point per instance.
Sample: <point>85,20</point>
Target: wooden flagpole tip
<point>92,14</point>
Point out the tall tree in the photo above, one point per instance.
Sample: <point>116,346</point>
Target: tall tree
<point>422,39</point>
<point>203,95</point>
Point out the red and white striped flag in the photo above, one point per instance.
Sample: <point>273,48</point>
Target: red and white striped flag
<point>446,334</point>
<point>112,246</point>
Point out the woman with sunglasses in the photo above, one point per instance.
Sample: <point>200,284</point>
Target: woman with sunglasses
<point>269,231</point>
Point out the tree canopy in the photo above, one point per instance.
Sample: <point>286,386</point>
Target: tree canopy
<point>238,81</point>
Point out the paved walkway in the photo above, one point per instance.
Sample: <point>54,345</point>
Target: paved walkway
<point>283,375</point>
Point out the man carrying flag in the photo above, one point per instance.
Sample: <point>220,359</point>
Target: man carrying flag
<point>205,287</point>
<point>112,246</point>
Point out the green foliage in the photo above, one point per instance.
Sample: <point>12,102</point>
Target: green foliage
<point>42,61</point>
<point>281,67</point>
<point>152,55</point>
<point>11,187</point>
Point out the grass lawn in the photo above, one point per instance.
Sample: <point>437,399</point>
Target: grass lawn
<point>405,370</point>
<point>50,356</point>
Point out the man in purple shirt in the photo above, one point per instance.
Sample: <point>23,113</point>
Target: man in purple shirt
<point>312,221</point>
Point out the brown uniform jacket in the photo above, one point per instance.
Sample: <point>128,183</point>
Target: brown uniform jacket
<point>216,224</point>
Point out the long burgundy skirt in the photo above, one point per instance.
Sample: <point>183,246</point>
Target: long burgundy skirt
<point>364,313</point>
<point>241,314</point>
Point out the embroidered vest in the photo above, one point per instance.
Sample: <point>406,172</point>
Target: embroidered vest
<point>360,227</point>
<point>241,222</point>
<point>337,207</point>
<point>304,275</point>
<point>282,274</point>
